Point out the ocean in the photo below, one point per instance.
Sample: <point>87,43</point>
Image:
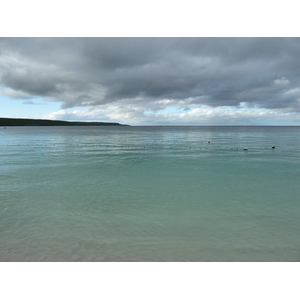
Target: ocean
<point>150,194</point>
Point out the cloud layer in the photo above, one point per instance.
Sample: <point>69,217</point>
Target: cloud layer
<point>160,80</point>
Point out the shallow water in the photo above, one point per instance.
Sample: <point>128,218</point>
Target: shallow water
<point>149,194</point>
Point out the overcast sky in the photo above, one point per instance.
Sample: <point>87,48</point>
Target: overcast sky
<point>152,81</point>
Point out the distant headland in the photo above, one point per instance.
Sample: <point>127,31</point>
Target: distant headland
<point>40,122</point>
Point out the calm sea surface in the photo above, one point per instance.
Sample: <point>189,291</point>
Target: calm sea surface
<point>149,194</point>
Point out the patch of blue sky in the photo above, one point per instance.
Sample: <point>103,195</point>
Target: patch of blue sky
<point>171,110</point>
<point>180,109</point>
<point>29,108</point>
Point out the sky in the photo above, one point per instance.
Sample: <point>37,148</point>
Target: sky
<point>152,81</point>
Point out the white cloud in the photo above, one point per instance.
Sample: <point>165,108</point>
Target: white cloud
<point>282,82</point>
<point>196,115</point>
<point>293,91</point>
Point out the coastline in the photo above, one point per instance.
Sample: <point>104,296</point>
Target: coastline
<point>41,122</point>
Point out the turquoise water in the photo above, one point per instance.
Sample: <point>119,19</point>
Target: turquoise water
<point>149,194</point>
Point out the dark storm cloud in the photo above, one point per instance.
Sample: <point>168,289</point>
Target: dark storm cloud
<point>262,72</point>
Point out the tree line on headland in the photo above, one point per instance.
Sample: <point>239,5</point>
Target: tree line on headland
<point>39,122</point>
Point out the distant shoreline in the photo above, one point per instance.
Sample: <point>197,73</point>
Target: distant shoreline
<point>41,122</point>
